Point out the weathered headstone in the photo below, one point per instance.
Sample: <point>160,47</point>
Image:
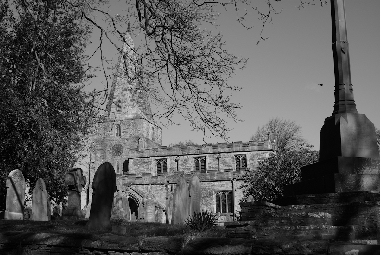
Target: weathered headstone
<point>15,196</point>
<point>104,187</point>
<point>75,181</point>
<point>126,208</point>
<point>118,212</point>
<point>141,210</point>
<point>195,195</point>
<point>181,202</point>
<point>150,211</point>
<point>168,204</point>
<point>40,201</point>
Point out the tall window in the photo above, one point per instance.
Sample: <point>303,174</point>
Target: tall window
<point>240,162</point>
<point>224,202</point>
<point>125,166</point>
<point>161,165</point>
<point>117,167</point>
<point>118,131</point>
<point>200,163</point>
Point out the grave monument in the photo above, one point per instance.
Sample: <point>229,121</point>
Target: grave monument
<point>15,196</point>
<point>195,195</point>
<point>40,202</point>
<point>181,202</point>
<point>104,187</point>
<point>75,181</point>
<point>349,156</point>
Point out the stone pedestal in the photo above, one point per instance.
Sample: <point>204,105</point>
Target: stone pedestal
<point>73,209</point>
<point>349,158</point>
<point>348,135</point>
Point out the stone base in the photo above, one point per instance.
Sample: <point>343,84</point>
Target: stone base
<point>339,174</point>
<point>348,135</point>
<point>13,215</point>
<point>72,213</point>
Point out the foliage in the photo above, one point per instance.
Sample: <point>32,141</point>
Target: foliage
<point>183,144</point>
<point>201,221</point>
<point>44,111</point>
<point>282,167</point>
<point>286,133</point>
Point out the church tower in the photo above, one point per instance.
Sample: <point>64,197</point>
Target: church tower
<point>128,127</point>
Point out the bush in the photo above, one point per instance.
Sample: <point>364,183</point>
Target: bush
<point>201,221</point>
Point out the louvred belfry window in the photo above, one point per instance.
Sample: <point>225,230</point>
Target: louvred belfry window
<point>200,164</point>
<point>240,162</point>
<point>161,165</point>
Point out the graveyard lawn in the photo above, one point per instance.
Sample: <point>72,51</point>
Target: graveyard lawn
<point>133,229</point>
<point>72,237</point>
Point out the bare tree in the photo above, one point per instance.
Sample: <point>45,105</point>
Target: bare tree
<point>286,133</point>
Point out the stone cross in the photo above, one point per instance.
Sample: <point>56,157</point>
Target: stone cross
<point>344,99</point>
<point>104,187</point>
<point>15,196</point>
<point>195,195</point>
<point>181,202</point>
<point>40,202</point>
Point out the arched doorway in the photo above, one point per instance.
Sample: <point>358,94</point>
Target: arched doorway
<point>133,208</point>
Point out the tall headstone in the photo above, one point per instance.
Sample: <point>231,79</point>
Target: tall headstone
<point>195,195</point>
<point>104,187</point>
<point>75,181</point>
<point>15,196</point>
<point>40,201</point>
<point>181,202</point>
<point>349,156</point>
<point>150,210</point>
<point>126,208</point>
<point>169,204</point>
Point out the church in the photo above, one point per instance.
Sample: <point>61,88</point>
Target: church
<point>147,171</point>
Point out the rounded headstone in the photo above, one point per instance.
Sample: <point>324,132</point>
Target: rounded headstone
<point>195,195</point>
<point>181,202</point>
<point>40,201</point>
<point>104,187</point>
<point>15,196</point>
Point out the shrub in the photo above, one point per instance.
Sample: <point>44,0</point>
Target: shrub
<point>201,221</point>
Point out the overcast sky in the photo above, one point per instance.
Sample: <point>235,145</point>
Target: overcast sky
<point>283,73</point>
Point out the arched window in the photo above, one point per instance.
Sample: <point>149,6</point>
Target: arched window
<point>118,131</point>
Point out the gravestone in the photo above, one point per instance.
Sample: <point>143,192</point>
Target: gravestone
<point>40,201</point>
<point>195,195</point>
<point>118,211</point>
<point>150,210</point>
<point>181,202</point>
<point>15,196</point>
<point>104,187</point>
<point>126,208</point>
<point>141,210</point>
<point>75,181</point>
<point>168,204</point>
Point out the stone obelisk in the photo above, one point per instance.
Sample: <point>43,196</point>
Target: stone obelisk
<point>349,156</point>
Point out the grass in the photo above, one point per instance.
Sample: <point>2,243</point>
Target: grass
<point>134,229</point>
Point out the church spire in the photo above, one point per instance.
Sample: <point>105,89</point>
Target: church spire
<point>127,98</point>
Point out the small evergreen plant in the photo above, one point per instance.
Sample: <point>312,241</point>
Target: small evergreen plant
<point>201,221</point>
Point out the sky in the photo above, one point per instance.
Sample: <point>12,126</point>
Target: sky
<point>283,73</point>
